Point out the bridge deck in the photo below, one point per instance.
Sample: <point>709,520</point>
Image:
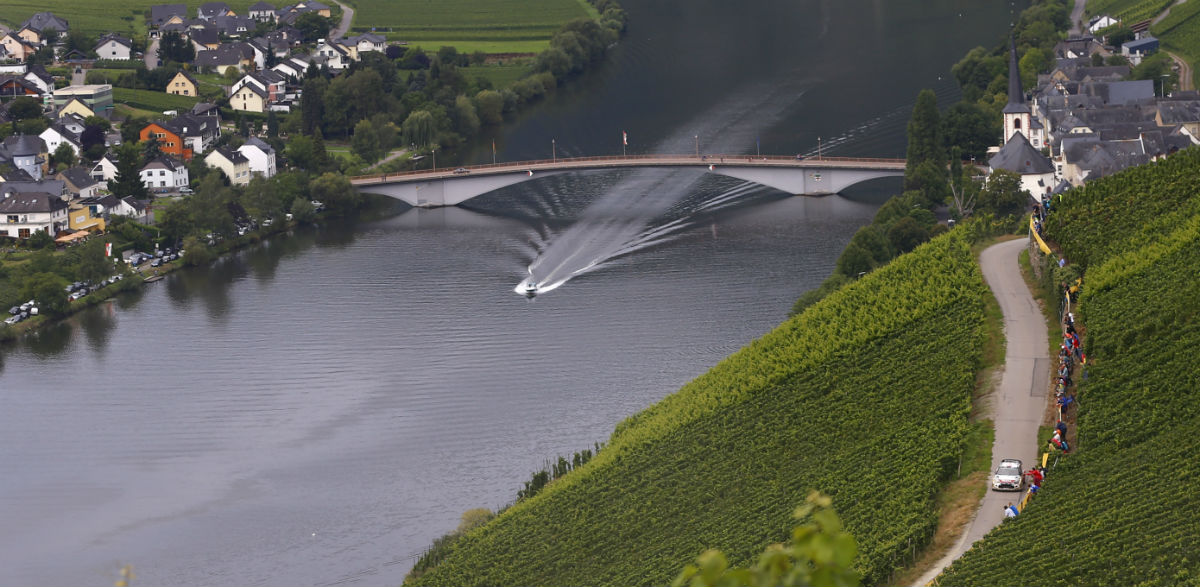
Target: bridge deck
<point>628,161</point>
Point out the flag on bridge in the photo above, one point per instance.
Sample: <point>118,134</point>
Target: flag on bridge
<point>624,138</point>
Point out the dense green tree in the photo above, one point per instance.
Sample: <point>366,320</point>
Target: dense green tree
<point>173,48</point>
<point>1036,60</point>
<point>151,149</point>
<point>929,178</point>
<point>48,290</point>
<point>63,156</point>
<point>313,26</point>
<point>41,239</point>
<point>93,265</point>
<point>302,211</point>
<point>971,128</point>
<point>872,239</point>
<point>334,190</point>
<point>490,106</point>
<point>23,108</point>
<point>466,119</point>
<point>302,153</point>
<point>365,142</point>
<point>419,129</point>
<point>128,181</point>
<point>976,71</point>
<point>312,104</point>
<point>272,124</point>
<point>854,261</point>
<point>906,234</point>
<point>1002,195</point>
<point>924,137</point>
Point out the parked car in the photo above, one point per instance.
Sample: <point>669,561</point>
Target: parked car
<point>1008,476</point>
<point>12,319</point>
<point>156,263</point>
<point>461,170</point>
<point>185,190</point>
<point>14,310</point>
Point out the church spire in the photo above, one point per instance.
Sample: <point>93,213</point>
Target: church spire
<point>1016,97</point>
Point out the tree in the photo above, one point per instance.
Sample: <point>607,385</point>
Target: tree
<point>334,190</point>
<point>272,124</point>
<point>301,153</point>
<point>1002,194</point>
<point>63,156</point>
<point>313,26</point>
<point>303,211</point>
<point>1033,62</point>
<point>419,129</point>
<point>466,119</point>
<point>93,265</point>
<point>40,239</point>
<point>48,290</point>
<point>174,48</point>
<point>929,178</point>
<point>151,149</point>
<point>906,234</point>
<point>77,40</point>
<point>821,554</point>
<point>971,128</point>
<point>490,106</point>
<point>365,142</point>
<point>854,260</point>
<point>312,104</point>
<point>24,108</point>
<point>925,133</point>
<point>91,140</point>
<point>128,181</point>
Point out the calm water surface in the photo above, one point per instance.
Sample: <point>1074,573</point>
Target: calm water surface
<point>318,408</point>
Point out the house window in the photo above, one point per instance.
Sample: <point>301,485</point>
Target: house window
<point>23,233</point>
<point>161,173</point>
<point>1017,123</point>
<point>12,219</point>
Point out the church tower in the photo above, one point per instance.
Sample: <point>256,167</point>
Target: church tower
<point>1017,117</point>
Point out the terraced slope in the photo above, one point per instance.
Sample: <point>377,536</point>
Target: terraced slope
<point>864,396</point>
<point>1124,510</point>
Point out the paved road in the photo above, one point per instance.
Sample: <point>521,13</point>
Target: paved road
<point>1020,401</point>
<point>1076,16</point>
<point>151,55</point>
<point>339,31</point>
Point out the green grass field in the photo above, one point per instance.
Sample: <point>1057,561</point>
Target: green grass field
<point>493,26</point>
<point>99,16</point>
<point>152,101</point>
<point>501,76</point>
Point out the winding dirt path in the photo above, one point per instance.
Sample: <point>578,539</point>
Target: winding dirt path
<point>1021,397</point>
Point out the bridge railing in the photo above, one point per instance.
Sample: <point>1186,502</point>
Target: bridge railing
<point>570,162</point>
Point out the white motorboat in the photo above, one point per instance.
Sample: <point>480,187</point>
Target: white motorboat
<point>531,288</point>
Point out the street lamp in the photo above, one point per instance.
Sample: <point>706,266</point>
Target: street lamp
<point>554,150</point>
<point>435,157</point>
<point>697,146</point>
<point>818,147</point>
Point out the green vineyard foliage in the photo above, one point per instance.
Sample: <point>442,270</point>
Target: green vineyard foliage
<point>864,396</point>
<point>1125,510</point>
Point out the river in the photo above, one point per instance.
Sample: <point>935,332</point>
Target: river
<point>317,408</point>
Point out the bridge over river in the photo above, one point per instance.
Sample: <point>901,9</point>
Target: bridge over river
<point>801,176</point>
